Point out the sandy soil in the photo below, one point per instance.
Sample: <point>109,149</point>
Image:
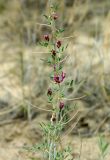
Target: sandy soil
<point>20,134</point>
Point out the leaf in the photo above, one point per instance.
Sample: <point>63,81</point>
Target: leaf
<point>103,145</point>
<point>49,61</point>
<point>45,16</point>
<point>44,44</point>
<point>50,99</point>
<point>71,83</point>
<point>62,49</point>
<point>61,30</point>
<point>51,75</point>
<point>55,6</point>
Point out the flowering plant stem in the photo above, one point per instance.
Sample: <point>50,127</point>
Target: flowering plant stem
<point>52,146</point>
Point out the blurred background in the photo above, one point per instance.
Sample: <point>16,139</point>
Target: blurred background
<point>24,76</point>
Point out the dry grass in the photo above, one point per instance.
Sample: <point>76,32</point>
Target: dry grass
<point>23,76</point>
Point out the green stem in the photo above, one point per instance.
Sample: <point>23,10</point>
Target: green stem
<point>50,151</point>
<point>54,151</point>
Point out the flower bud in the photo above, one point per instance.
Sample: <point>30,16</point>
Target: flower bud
<point>57,79</point>
<point>49,92</point>
<point>55,16</point>
<point>61,105</point>
<point>46,37</point>
<point>53,52</point>
<point>58,44</point>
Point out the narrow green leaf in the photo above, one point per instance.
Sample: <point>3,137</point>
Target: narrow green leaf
<point>71,83</point>
<point>45,16</point>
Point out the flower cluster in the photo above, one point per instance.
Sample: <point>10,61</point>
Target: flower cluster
<point>55,54</point>
<point>59,78</point>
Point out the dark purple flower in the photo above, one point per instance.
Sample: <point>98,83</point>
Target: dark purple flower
<point>55,16</point>
<point>61,105</point>
<point>58,44</point>
<point>49,92</point>
<point>46,37</point>
<point>59,78</point>
<point>53,52</point>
